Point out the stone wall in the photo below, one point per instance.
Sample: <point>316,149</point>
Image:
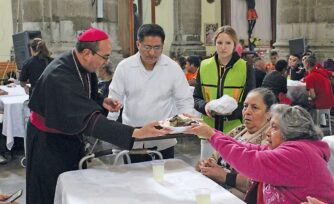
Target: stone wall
<point>6,30</point>
<point>60,21</point>
<point>312,19</point>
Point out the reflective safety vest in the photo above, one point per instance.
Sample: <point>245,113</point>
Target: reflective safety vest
<point>233,79</point>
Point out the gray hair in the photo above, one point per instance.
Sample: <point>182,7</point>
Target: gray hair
<point>296,123</point>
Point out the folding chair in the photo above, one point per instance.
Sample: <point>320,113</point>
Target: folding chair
<point>117,153</point>
<point>25,115</point>
<point>317,116</point>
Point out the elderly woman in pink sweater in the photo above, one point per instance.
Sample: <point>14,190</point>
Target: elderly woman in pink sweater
<point>293,165</point>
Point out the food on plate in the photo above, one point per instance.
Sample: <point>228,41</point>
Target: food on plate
<point>179,121</point>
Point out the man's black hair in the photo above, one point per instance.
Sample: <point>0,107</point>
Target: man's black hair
<point>281,65</point>
<point>150,30</point>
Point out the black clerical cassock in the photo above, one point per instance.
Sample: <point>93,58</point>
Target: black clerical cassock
<point>64,105</point>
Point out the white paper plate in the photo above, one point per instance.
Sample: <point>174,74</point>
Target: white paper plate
<point>175,130</point>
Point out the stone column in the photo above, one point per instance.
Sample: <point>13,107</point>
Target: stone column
<point>187,29</point>
<point>311,19</point>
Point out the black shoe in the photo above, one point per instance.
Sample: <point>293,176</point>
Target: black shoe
<point>3,160</point>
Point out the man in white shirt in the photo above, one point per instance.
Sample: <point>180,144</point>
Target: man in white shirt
<point>152,87</point>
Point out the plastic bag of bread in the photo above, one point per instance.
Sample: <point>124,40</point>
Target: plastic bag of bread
<point>225,105</point>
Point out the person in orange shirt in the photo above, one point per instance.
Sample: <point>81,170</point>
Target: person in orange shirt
<point>192,64</point>
<point>273,60</point>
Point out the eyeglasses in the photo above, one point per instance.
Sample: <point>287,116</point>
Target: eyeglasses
<point>106,57</point>
<point>272,130</point>
<point>155,48</point>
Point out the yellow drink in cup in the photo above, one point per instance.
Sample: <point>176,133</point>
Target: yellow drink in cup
<point>203,196</point>
<point>158,167</point>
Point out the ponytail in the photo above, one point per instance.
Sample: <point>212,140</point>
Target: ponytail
<point>39,46</point>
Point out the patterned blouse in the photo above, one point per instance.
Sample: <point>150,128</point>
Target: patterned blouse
<point>240,133</point>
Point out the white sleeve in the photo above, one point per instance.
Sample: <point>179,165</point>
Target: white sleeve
<point>182,93</point>
<point>116,89</point>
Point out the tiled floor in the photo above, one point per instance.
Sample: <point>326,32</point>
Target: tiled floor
<point>12,175</point>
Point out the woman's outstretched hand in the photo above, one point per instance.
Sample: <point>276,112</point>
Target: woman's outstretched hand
<point>201,130</point>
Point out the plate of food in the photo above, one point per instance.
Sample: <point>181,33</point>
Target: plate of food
<point>178,123</point>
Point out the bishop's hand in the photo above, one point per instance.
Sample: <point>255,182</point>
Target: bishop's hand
<point>112,105</point>
<point>150,130</point>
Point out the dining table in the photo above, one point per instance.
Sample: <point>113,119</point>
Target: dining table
<point>14,113</point>
<point>134,183</point>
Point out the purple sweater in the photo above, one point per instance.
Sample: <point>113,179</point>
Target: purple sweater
<point>290,172</point>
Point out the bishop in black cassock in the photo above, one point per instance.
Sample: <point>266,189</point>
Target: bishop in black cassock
<point>64,105</point>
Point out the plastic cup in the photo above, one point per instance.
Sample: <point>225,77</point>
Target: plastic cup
<point>158,167</point>
<point>203,196</point>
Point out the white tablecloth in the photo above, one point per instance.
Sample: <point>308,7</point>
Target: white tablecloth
<point>14,91</point>
<point>295,86</point>
<point>134,183</point>
<point>330,141</point>
<point>13,113</point>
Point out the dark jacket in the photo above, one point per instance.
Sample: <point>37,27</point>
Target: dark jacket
<point>33,68</point>
<point>71,105</point>
<point>259,76</point>
<point>297,73</point>
<point>276,82</point>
